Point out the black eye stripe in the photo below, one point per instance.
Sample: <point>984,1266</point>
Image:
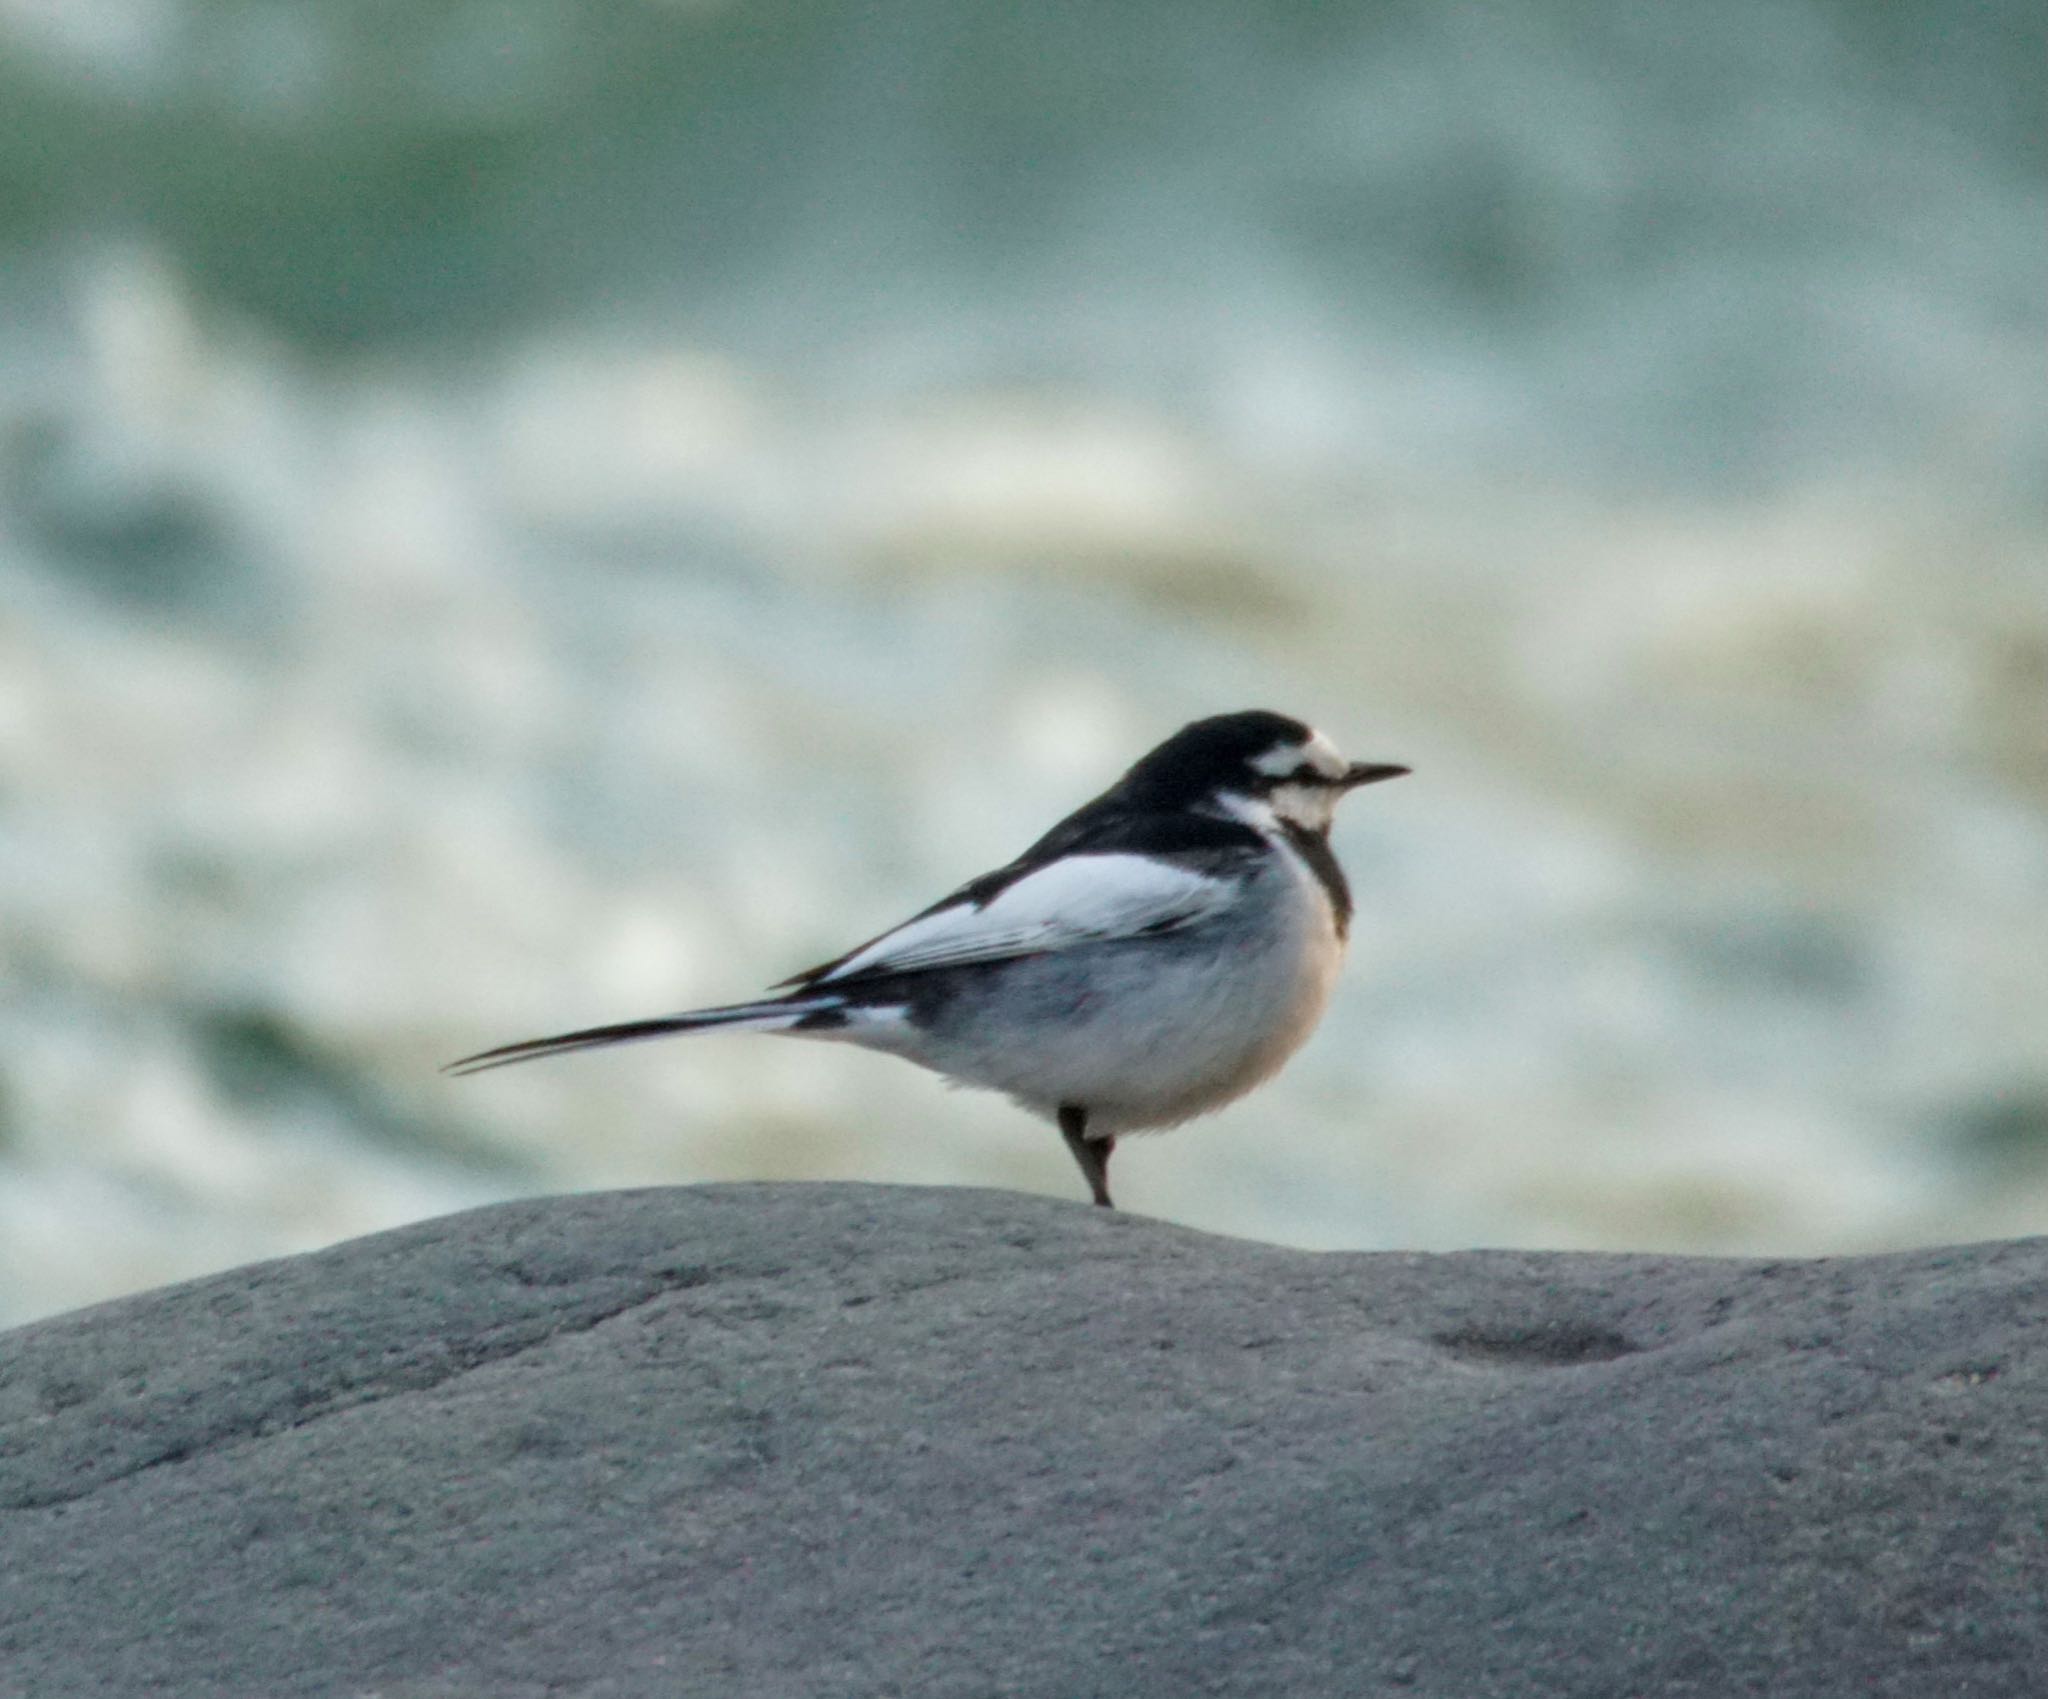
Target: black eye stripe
<point>1305,774</point>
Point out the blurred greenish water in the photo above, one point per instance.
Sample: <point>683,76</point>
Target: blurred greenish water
<point>518,515</point>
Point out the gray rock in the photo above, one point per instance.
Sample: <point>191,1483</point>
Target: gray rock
<point>849,1440</point>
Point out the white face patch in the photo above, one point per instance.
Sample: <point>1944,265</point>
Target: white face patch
<point>1318,753</point>
<point>1310,804</point>
<point>1313,806</point>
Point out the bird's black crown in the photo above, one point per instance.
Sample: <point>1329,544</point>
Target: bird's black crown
<point>1209,754</point>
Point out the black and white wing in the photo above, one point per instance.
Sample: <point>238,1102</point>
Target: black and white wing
<point>1116,883</point>
<point>1100,874</point>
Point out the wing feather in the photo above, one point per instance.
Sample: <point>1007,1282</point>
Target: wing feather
<point>1079,899</point>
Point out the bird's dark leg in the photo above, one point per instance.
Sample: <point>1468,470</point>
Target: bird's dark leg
<point>1092,1154</point>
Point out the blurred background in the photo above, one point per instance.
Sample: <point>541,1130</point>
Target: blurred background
<point>519,514</point>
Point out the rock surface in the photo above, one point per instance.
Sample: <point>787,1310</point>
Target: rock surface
<point>845,1440</point>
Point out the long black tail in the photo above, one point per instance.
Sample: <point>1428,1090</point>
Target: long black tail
<point>775,1015</point>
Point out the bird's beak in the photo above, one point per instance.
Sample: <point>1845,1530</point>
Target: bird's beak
<point>1370,773</point>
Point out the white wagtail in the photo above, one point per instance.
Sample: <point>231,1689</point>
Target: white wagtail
<point>1158,953</point>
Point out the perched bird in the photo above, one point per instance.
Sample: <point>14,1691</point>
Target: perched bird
<point>1158,953</point>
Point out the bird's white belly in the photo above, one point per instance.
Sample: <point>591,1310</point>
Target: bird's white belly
<point>1192,1048</point>
<point>1147,1033</point>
